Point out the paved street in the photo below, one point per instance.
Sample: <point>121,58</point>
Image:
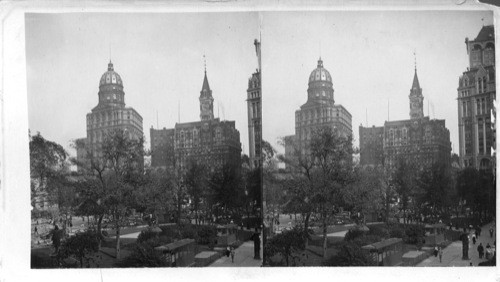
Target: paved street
<point>452,255</point>
<point>243,257</point>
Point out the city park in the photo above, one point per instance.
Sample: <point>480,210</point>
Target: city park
<point>325,209</point>
<point>118,211</point>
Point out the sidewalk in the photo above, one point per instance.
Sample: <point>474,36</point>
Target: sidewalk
<point>452,255</point>
<point>243,257</point>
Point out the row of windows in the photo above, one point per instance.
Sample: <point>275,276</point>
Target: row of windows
<point>464,93</point>
<point>486,57</point>
<point>481,85</point>
<point>107,116</point>
<point>100,135</point>
<point>255,109</point>
<point>254,94</point>
<point>316,114</point>
<point>482,107</point>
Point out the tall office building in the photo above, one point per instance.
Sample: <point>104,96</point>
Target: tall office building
<point>209,142</point>
<point>476,93</point>
<point>421,140</point>
<point>255,114</point>
<point>319,111</point>
<point>109,115</point>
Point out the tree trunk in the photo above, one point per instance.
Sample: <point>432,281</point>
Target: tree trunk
<point>387,206</point>
<point>117,241</point>
<point>325,242</point>
<point>306,229</point>
<point>99,230</point>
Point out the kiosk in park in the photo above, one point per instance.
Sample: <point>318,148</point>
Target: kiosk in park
<point>178,254</point>
<point>387,252</point>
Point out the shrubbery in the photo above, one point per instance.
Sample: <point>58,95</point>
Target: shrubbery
<point>379,230</point>
<point>414,234</point>
<point>395,231</point>
<point>206,234</point>
<point>40,261</point>
<point>366,240</point>
<point>202,234</point>
<point>350,254</point>
<point>146,235</point>
<point>353,234</point>
<point>143,255</point>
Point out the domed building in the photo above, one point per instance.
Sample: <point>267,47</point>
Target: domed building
<point>110,114</point>
<point>320,110</point>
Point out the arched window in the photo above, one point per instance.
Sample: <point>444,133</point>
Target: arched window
<point>489,54</point>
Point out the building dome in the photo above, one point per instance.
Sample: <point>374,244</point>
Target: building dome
<point>110,77</point>
<point>320,73</point>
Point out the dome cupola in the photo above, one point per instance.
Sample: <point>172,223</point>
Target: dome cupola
<point>320,85</point>
<point>111,88</point>
<point>320,73</point>
<point>111,77</point>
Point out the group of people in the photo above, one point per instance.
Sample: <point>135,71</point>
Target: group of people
<point>230,252</point>
<point>438,251</point>
<point>487,252</point>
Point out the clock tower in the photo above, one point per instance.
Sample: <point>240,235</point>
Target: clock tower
<point>416,99</point>
<point>206,101</point>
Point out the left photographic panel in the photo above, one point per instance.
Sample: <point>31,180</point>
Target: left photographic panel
<point>144,139</point>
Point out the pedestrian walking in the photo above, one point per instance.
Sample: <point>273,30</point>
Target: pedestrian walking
<point>232,254</point>
<point>36,230</point>
<point>473,238</point>
<point>440,253</point>
<point>491,232</point>
<point>480,250</point>
<point>228,251</point>
<point>436,250</point>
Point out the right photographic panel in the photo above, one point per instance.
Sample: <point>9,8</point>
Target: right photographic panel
<point>379,138</point>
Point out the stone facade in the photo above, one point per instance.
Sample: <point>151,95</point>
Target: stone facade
<point>319,111</point>
<point>419,139</point>
<point>109,115</point>
<point>210,142</point>
<point>476,93</point>
<point>254,119</point>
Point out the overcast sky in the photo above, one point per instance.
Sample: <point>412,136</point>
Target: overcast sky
<point>370,57</point>
<point>160,59</point>
<point>158,56</point>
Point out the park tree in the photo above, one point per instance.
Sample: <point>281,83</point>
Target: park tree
<point>404,179</point>
<point>323,172</point>
<point>331,174</point>
<point>155,194</point>
<point>287,245</point>
<point>114,170</point>
<point>366,194</point>
<point>196,186</point>
<point>226,190</point>
<point>48,171</point>
<point>295,184</point>
<point>476,190</point>
<point>83,247</point>
<point>436,184</point>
